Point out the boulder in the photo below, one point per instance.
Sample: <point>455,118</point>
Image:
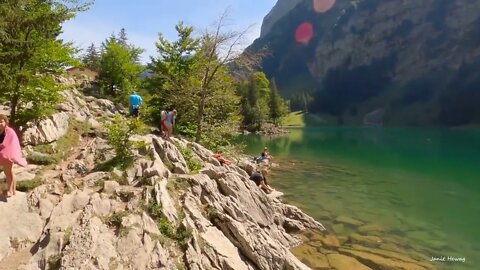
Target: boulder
<point>46,130</point>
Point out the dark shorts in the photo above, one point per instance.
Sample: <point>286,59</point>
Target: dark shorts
<point>257,178</point>
<point>135,112</point>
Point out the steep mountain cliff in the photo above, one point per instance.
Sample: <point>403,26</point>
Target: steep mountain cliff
<point>398,62</point>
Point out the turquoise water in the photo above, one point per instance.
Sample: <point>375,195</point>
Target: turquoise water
<point>422,185</point>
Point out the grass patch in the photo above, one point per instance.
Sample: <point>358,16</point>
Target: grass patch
<point>180,233</point>
<point>294,119</point>
<point>154,210</point>
<point>115,219</point>
<point>54,262</point>
<point>211,213</point>
<point>176,183</point>
<point>28,185</point>
<point>41,159</point>
<point>67,235</point>
<point>169,165</point>
<point>194,165</point>
<point>55,153</point>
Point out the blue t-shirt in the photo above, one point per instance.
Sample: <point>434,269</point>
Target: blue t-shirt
<point>135,101</point>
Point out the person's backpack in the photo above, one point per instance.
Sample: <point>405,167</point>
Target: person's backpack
<point>163,115</point>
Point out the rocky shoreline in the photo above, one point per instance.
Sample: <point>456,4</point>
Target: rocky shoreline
<point>269,129</point>
<point>158,214</point>
<point>155,215</point>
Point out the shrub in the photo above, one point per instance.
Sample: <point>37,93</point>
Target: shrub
<point>115,220</point>
<point>119,132</point>
<point>28,185</point>
<point>194,165</point>
<point>41,159</point>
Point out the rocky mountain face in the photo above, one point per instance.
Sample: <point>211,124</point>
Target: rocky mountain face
<point>416,60</point>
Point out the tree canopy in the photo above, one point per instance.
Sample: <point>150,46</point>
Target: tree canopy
<point>31,53</point>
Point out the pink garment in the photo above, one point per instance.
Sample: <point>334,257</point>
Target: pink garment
<point>10,148</point>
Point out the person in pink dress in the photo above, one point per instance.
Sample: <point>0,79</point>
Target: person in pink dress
<point>10,153</point>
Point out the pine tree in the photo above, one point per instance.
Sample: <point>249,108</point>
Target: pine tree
<point>122,37</point>
<point>91,58</point>
<point>277,105</point>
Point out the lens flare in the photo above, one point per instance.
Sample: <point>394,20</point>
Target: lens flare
<point>304,33</point>
<point>322,6</point>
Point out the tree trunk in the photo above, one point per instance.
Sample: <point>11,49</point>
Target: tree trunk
<point>13,110</point>
<point>201,109</point>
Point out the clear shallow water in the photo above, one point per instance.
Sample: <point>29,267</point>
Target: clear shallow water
<point>422,185</point>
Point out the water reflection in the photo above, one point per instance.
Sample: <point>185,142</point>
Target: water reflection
<point>420,185</point>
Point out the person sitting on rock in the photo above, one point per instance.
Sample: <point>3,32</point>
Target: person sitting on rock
<point>10,153</point>
<point>223,161</point>
<point>264,157</point>
<point>260,179</point>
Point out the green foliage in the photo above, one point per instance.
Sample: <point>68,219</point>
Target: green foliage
<point>119,132</point>
<point>191,78</point>
<point>31,54</point>
<point>41,159</point>
<point>177,184</point>
<point>119,68</point>
<point>173,83</point>
<point>155,210</point>
<point>55,262</point>
<point>49,154</point>
<point>194,165</point>
<point>212,213</point>
<point>250,105</point>
<point>294,119</point>
<point>166,228</point>
<point>115,219</point>
<point>277,105</point>
<point>179,233</point>
<point>91,58</point>
<point>301,101</point>
<point>28,185</point>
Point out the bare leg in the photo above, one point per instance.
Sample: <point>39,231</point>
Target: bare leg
<point>8,169</point>
<point>169,132</point>
<point>265,187</point>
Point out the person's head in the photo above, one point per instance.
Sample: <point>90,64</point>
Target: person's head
<point>3,122</point>
<point>264,172</point>
<point>174,112</point>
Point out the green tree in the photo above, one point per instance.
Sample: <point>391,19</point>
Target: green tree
<point>119,133</point>
<point>263,88</point>
<point>192,77</point>
<point>277,105</point>
<point>122,37</point>
<point>253,115</point>
<point>119,69</point>
<point>91,58</point>
<point>219,47</point>
<point>172,85</point>
<point>31,54</point>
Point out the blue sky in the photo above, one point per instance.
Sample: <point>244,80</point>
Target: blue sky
<point>144,19</point>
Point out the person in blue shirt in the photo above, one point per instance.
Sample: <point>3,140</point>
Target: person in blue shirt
<point>135,103</point>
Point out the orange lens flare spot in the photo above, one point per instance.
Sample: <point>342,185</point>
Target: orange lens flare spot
<point>322,6</point>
